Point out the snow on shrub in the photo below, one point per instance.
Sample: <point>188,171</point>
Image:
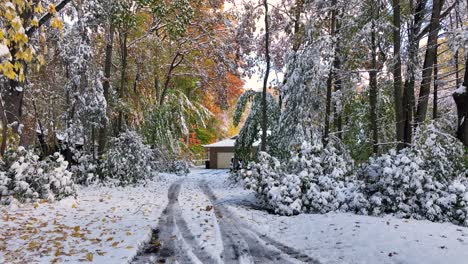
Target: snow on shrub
<point>27,178</point>
<point>425,181</point>
<point>128,159</point>
<point>443,154</point>
<point>314,179</point>
<point>85,171</point>
<point>163,161</point>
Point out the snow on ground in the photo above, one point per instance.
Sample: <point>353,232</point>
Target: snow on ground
<point>349,238</point>
<point>198,212</point>
<point>102,225</point>
<point>109,225</point>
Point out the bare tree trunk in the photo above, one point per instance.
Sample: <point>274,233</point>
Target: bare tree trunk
<point>174,64</point>
<point>265,80</point>
<point>4,127</point>
<point>436,88</point>
<point>123,36</point>
<point>374,92</point>
<point>397,82</point>
<point>106,86</point>
<point>461,100</point>
<point>409,101</point>
<point>429,62</point>
<point>329,81</point>
<point>337,80</point>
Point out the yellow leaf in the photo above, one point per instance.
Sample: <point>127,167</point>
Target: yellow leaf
<point>36,205</point>
<point>56,23</point>
<point>129,247</point>
<point>89,256</point>
<point>35,22</point>
<point>24,237</point>
<point>115,244</point>
<point>51,9</point>
<point>73,205</point>
<point>129,233</point>
<point>39,8</point>
<point>76,228</point>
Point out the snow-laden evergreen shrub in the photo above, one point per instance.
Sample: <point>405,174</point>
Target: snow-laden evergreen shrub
<point>443,154</point>
<point>27,178</point>
<point>314,179</point>
<point>279,192</point>
<point>425,181</point>
<point>163,161</point>
<point>85,171</point>
<point>128,159</point>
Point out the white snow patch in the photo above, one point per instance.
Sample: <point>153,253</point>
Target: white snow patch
<point>108,222</point>
<point>350,238</point>
<point>460,90</point>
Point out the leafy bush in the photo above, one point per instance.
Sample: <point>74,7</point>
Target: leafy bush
<point>27,178</point>
<point>86,169</point>
<point>443,154</point>
<point>128,159</point>
<point>314,179</point>
<point>165,162</point>
<point>426,181</point>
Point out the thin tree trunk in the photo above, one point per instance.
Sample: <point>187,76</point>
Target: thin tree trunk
<point>429,62</point>
<point>373,93</point>
<point>329,80</point>
<point>461,100</point>
<point>106,86</point>
<point>123,77</point>
<point>436,88</point>
<point>4,127</point>
<point>397,82</point>
<point>409,101</point>
<point>265,80</point>
<point>337,80</point>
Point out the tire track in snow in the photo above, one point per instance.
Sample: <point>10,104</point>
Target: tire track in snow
<point>244,245</point>
<point>174,241</point>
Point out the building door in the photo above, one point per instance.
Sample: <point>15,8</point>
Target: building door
<point>224,160</point>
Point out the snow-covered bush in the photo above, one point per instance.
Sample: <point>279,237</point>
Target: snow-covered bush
<point>443,154</point>
<point>128,159</point>
<point>426,181</point>
<point>85,171</point>
<point>314,179</point>
<point>27,178</point>
<point>163,161</point>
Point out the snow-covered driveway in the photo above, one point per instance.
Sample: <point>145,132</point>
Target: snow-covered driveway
<point>209,221</point>
<point>202,218</point>
<point>178,241</point>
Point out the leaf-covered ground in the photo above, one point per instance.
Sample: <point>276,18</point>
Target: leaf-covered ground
<point>102,225</point>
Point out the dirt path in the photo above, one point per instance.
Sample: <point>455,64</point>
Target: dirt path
<point>173,241</point>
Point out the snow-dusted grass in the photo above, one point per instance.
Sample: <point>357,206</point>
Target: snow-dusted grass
<point>102,225</point>
<point>349,238</point>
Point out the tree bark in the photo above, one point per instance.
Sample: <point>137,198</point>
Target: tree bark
<point>326,133</point>
<point>123,36</point>
<point>373,92</point>
<point>436,88</point>
<point>397,82</point>
<point>429,62</point>
<point>102,141</point>
<point>337,80</point>
<point>461,100</point>
<point>409,101</point>
<point>265,80</point>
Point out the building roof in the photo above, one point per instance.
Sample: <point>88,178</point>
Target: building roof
<point>226,143</point>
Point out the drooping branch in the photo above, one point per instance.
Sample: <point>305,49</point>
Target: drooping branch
<point>46,17</point>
